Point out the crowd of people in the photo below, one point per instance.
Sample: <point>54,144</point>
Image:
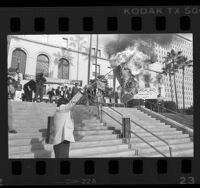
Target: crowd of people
<point>33,90</point>
<point>62,93</point>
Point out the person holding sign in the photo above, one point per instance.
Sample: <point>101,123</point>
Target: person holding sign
<point>61,130</point>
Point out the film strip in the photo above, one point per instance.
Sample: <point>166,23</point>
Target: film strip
<point>120,20</point>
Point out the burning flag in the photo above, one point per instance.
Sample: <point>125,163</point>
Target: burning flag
<point>128,65</point>
<point>130,57</point>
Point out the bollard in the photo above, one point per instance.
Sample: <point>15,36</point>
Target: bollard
<point>126,134</point>
<point>49,127</point>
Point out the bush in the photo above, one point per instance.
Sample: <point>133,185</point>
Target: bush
<point>189,110</point>
<point>133,103</point>
<point>170,105</point>
<point>151,104</point>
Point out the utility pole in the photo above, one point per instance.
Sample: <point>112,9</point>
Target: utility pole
<point>114,77</point>
<point>89,58</point>
<point>97,45</point>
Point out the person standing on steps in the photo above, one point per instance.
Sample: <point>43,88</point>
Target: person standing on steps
<point>75,90</point>
<point>29,87</point>
<point>62,127</point>
<point>100,102</point>
<point>10,109</point>
<point>62,133</point>
<point>18,78</point>
<point>40,80</point>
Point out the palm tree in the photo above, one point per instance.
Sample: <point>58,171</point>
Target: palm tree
<point>172,60</point>
<point>182,63</point>
<point>167,71</point>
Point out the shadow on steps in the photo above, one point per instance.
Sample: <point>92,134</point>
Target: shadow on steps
<point>43,153</point>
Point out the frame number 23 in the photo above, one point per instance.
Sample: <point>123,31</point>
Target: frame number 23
<point>186,180</point>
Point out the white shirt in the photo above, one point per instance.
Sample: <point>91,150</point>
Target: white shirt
<point>18,77</point>
<point>63,125</point>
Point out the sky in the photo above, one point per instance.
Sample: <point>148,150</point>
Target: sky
<point>105,38</point>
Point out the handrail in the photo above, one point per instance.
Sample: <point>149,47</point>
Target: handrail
<point>170,148</point>
<point>133,132</point>
<point>155,104</point>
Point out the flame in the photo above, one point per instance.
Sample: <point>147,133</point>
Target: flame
<point>136,60</point>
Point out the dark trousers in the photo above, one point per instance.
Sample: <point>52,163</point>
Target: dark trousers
<point>62,150</point>
<point>39,91</point>
<point>28,96</point>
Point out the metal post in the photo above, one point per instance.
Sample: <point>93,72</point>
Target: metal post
<point>170,151</point>
<point>49,127</point>
<point>126,130</point>
<point>89,58</point>
<point>97,44</point>
<point>101,113</point>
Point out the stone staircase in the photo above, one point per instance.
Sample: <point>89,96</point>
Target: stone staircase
<point>93,139</point>
<point>181,144</point>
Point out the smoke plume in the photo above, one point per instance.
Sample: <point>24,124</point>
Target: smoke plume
<point>131,55</point>
<point>121,42</point>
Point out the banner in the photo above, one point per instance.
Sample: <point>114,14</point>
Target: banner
<point>76,98</point>
<point>55,80</point>
<point>146,93</point>
<point>101,85</point>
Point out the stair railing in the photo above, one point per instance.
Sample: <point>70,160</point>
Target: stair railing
<point>170,148</point>
<point>161,107</point>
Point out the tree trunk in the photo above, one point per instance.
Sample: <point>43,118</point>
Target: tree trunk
<point>114,85</point>
<point>183,87</point>
<point>170,80</point>
<point>175,89</point>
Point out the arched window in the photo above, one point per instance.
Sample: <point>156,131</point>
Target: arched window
<point>42,64</point>
<point>63,69</point>
<point>18,60</point>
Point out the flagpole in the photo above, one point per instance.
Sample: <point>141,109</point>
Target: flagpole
<point>97,44</point>
<point>89,58</point>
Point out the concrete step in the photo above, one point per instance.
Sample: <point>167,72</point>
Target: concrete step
<point>85,144</point>
<point>96,150</point>
<point>38,154</point>
<point>150,137</point>
<point>31,120</point>
<point>30,148</point>
<point>121,153</point>
<point>85,121</point>
<point>77,145</point>
<point>91,124</point>
<point>41,136</point>
<point>86,128</point>
<point>26,126</point>
<point>80,140</point>
<point>154,130</point>
<point>31,129</point>
<point>42,125</point>
<point>29,112</point>
<point>148,149</point>
<point>25,141</point>
<point>144,134</point>
<point>154,139</point>
<point>35,129</point>
<point>38,135</point>
<point>134,126</point>
<point>141,145</point>
<point>93,132</point>
<point>176,153</point>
